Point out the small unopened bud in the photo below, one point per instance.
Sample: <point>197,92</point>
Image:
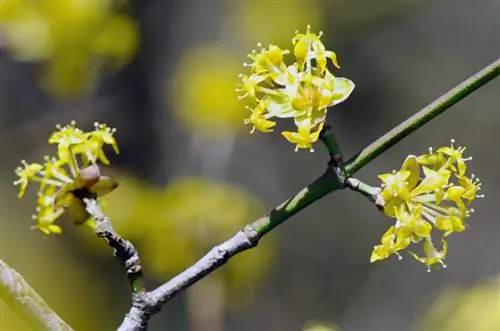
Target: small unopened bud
<point>89,176</point>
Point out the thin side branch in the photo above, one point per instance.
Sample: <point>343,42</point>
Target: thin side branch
<point>422,117</point>
<point>123,250</point>
<point>23,299</point>
<point>127,255</point>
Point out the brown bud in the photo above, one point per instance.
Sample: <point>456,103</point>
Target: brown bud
<point>88,176</point>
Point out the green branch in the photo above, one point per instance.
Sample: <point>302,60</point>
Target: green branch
<point>428,113</point>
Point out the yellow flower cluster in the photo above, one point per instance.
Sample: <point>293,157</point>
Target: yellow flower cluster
<point>302,90</point>
<point>439,200</point>
<point>74,168</point>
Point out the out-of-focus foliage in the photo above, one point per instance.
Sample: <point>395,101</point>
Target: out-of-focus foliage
<point>53,271</point>
<point>176,225</point>
<point>476,308</point>
<point>203,92</point>
<point>316,326</point>
<point>76,41</point>
<point>439,200</point>
<point>271,21</point>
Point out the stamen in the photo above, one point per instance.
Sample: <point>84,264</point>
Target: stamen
<point>50,181</point>
<point>60,176</point>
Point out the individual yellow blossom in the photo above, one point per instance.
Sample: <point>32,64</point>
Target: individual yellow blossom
<point>259,120</point>
<point>430,191</point>
<point>308,46</point>
<point>393,240</point>
<point>456,156</point>
<point>92,146</point>
<point>306,134</point>
<point>73,174</point>
<point>302,90</point>
<point>432,255</point>
<point>25,173</point>
<point>45,218</point>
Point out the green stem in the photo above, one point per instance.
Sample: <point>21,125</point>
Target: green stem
<point>428,113</point>
<point>322,186</point>
<point>368,191</point>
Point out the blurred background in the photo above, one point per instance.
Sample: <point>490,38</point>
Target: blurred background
<point>163,73</point>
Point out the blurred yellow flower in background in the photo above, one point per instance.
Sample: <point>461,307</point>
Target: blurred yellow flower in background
<point>271,21</point>
<point>317,326</point>
<point>75,40</point>
<point>202,92</point>
<point>462,309</point>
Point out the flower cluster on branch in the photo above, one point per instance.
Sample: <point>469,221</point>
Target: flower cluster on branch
<point>302,90</point>
<point>73,169</point>
<point>439,200</point>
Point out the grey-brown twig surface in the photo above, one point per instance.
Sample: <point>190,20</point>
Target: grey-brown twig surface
<point>23,299</point>
<point>127,255</point>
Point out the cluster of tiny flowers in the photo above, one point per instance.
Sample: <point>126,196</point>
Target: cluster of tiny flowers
<point>74,167</point>
<point>302,90</point>
<point>439,200</point>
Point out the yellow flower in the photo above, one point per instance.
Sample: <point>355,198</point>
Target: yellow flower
<point>45,218</point>
<point>393,240</point>
<point>25,173</point>
<point>65,179</point>
<point>91,148</point>
<point>308,46</point>
<point>259,119</point>
<point>455,156</point>
<point>267,60</point>
<point>306,134</point>
<point>302,90</point>
<point>433,256</point>
<point>430,191</point>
